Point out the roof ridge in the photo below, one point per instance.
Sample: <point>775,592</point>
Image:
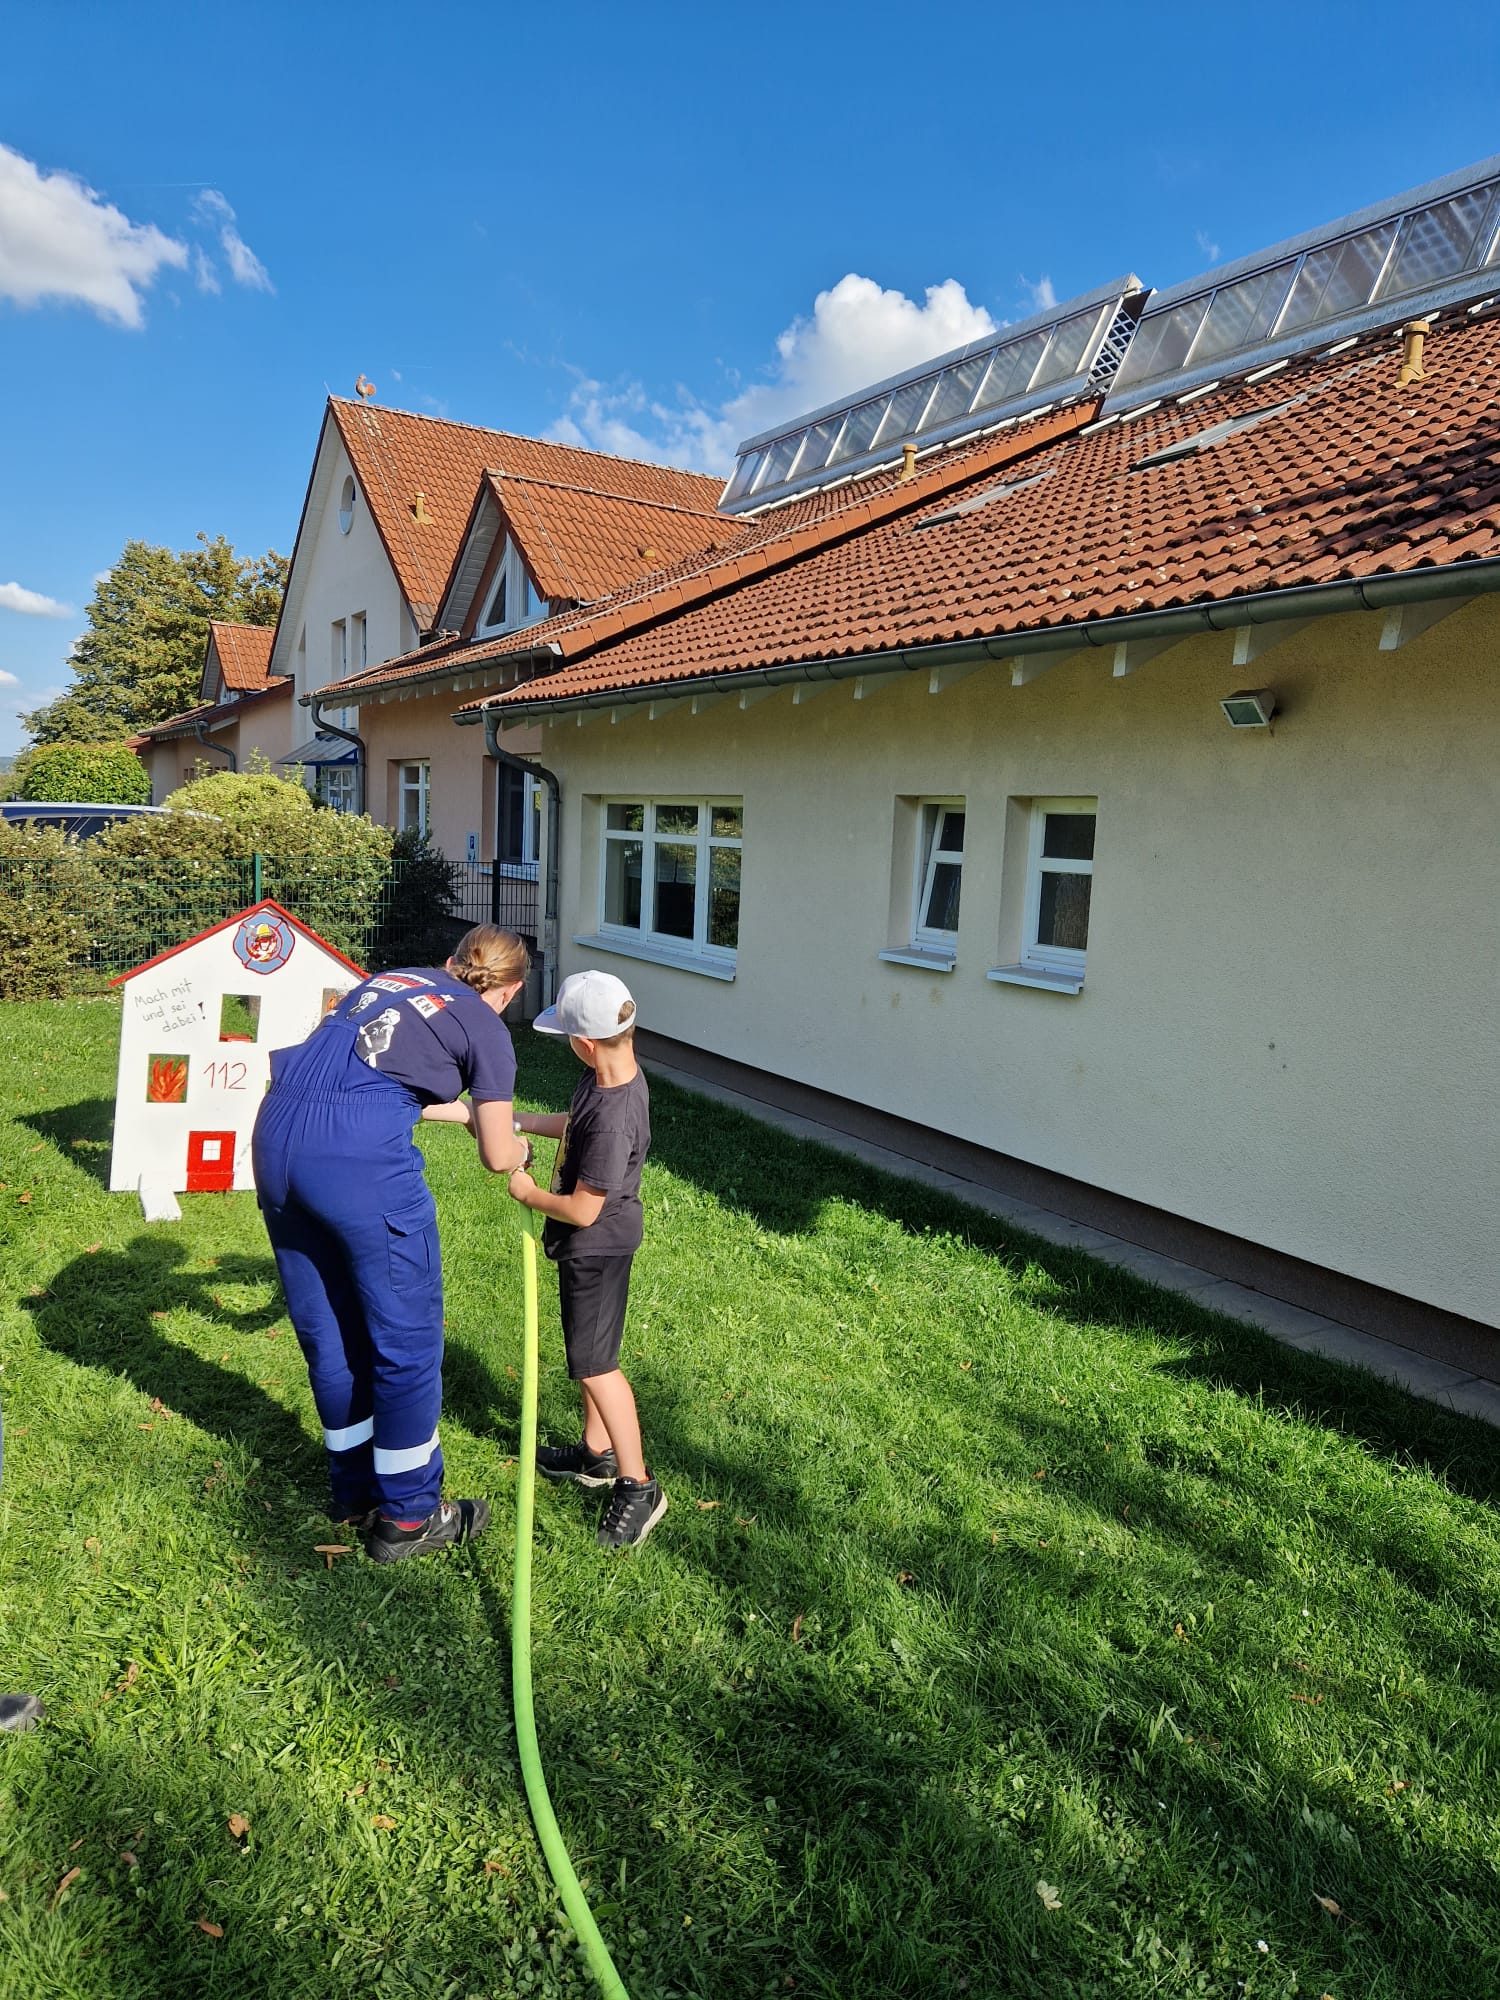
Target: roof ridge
<point>521,437</point>
<point>603,492</point>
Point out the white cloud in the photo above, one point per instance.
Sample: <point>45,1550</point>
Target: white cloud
<point>8,680</point>
<point>1207,245</point>
<point>857,334</point>
<point>1043,298</point>
<point>61,240</point>
<point>30,603</point>
<point>244,266</point>
<point>204,274</point>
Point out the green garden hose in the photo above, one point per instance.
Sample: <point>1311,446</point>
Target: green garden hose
<point>580,1916</point>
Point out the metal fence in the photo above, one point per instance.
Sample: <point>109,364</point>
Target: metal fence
<point>70,922</point>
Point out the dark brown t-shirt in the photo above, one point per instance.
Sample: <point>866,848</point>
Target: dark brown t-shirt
<point>605,1145</point>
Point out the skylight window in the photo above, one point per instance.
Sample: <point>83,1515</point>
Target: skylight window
<point>987,499</point>
<point>1205,440</point>
<point>1056,354</point>
<point>1423,251</point>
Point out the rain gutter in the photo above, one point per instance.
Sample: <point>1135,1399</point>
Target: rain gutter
<point>321,722</point>
<point>222,748</point>
<point>554,815</point>
<point>1374,593</point>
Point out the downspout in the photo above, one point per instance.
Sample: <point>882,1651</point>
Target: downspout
<point>320,721</point>
<point>548,939</point>
<point>222,748</point>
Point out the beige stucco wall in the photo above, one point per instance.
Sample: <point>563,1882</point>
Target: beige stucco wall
<point>264,731</point>
<point>1290,1026</point>
<point>461,780</point>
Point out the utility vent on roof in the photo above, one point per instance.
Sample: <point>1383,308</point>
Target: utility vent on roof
<point>1437,246</point>
<point>1063,352</point>
<point>1188,447</point>
<point>977,500</point>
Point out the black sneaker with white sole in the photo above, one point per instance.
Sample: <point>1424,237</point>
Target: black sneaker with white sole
<point>20,1711</point>
<point>578,1463</point>
<point>635,1507</point>
<point>448,1524</point>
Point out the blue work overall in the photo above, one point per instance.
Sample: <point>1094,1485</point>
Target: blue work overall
<point>354,1228</point>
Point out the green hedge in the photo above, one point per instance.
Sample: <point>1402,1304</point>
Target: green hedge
<point>91,773</point>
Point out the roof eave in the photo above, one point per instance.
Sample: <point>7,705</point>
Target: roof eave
<point>1382,592</point>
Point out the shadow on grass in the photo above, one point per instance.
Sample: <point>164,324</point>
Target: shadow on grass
<point>81,1132</point>
<point>102,1311</point>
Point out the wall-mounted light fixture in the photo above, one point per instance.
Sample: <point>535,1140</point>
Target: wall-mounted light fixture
<point>1251,708</point>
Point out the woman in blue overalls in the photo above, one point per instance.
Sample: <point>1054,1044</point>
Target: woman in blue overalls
<point>354,1227</point>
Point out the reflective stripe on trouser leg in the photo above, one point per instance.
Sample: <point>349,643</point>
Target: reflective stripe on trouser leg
<point>325,1310</point>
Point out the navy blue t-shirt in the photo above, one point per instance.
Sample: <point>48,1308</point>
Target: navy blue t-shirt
<point>425,1029</point>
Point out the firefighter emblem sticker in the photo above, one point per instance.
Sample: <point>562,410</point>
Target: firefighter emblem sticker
<point>264,943</point>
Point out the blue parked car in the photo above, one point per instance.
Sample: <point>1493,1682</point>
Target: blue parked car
<point>83,820</point>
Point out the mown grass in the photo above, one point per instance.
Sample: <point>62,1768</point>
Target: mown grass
<point>988,1572</point>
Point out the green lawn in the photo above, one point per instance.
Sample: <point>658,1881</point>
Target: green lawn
<point>989,1574</point>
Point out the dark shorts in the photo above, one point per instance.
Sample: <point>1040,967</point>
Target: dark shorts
<point>593,1291</point>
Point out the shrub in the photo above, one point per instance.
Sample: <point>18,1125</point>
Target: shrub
<point>44,939</point>
<point>95,773</point>
<point>418,926</point>
<point>192,863</point>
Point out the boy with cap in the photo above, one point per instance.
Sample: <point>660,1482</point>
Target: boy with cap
<point>592,1232</point>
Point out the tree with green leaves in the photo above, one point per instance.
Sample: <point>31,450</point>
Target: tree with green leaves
<point>140,658</point>
<point>98,773</point>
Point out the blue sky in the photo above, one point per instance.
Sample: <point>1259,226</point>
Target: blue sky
<point>607,223</point>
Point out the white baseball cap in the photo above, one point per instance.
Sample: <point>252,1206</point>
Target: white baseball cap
<point>589,1004</point>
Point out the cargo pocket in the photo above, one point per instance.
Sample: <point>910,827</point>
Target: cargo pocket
<point>411,1247</point>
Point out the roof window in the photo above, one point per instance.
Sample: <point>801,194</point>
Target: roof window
<point>1189,447</point>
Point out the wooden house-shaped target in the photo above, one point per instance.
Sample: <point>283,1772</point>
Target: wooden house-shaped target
<point>199,1024</point>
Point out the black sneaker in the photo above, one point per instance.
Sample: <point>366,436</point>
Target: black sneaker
<point>20,1711</point>
<point>452,1522</point>
<point>362,1523</point>
<point>578,1463</point>
<point>635,1507</point>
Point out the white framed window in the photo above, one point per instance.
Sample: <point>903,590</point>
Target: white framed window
<point>1059,885</point>
<point>337,786</point>
<point>494,619</point>
<point>939,877</point>
<point>669,880</point>
<point>518,818</point>
<point>411,798</point>
<point>338,651</point>
<point>346,506</point>
<point>359,643</point>
<point>514,598</point>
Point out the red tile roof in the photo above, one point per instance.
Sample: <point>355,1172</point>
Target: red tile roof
<point>397,455</point>
<point>215,711</point>
<point>581,543</point>
<point>740,548</point>
<point>1354,478</point>
<point>244,654</point>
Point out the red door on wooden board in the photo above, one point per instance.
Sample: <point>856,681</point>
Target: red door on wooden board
<point>210,1162</point>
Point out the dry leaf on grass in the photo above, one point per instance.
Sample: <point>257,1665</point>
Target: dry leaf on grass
<point>1401,1785</point>
<point>797,1628</point>
<point>238,1825</point>
<point>495,1868</point>
<point>1327,1903</point>
<point>966,1365</point>
<point>23,1198</point>
<point>64,1885</point>
<point>92,1542</point>
<point>93,1249</point>
<point>383,1821</point>
<point>1312,1700</point>
<point>356,1791</point>
<point>1051,1898</point>
<point>905,1576</point>
<point>744,1520</point>
<point>210,1928</point>
<point>74,1845</point>
<point>128,1858</point>
<point>707,1506</point>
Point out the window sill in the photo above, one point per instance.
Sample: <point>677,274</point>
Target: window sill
<point>1038,976</point>
<point>924,961</point>
<point>656,954</point>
